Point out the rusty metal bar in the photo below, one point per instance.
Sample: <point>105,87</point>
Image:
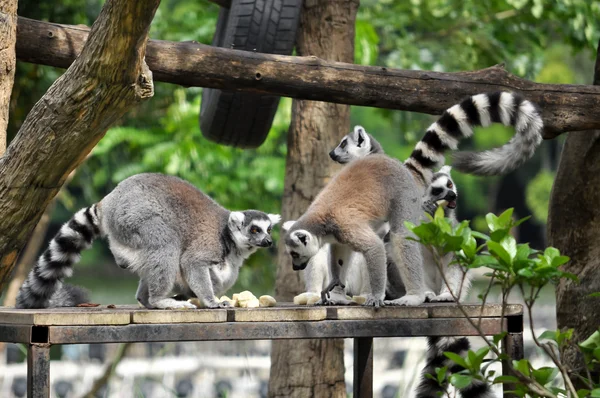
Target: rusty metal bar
<point>15,333</point>
<point>513,346</point>
<point>363,367</point>
<point>38,371</point>
<point>270,330</point>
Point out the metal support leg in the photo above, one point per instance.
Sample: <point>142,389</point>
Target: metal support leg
<point>363,367</point>
<point>38,371</point>
<point>513,347</point>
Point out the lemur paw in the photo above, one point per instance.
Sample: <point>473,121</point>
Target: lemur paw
<point>373,301</point>
<point>429,295</point>
<point>180,304</point>
<point>442,297</point>
<point>337,296</point>
<point>430,207</point>
<point>225,304</point>
<point>409,300</point>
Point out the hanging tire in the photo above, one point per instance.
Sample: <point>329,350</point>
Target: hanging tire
<point>243,119</point>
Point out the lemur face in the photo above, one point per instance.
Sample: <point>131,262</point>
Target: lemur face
<point>442,188</point>
<point>252,228</point>
<point>353,146</point>
<point>301,245</point>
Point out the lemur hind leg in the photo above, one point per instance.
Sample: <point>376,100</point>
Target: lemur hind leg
<point>408,259</point>
<point>339,261</point>
<point>159,274</point>
<point>361,238</point>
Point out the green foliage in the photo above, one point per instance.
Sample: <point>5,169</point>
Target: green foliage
<point>512,265</point>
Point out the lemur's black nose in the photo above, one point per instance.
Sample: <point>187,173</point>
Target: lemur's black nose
<point>266,242</point>
<point>450,196</point>
<point>332,155</point>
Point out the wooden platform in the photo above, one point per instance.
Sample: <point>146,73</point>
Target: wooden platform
<point>283,312</point>
<point>40,329</point>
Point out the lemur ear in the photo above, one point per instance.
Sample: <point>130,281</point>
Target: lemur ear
<point>275,218</point>
<point>446,169</point>
<point>287,225</point>
<point>359,135</point>
<point>302,237</point>
<point>236,219</point>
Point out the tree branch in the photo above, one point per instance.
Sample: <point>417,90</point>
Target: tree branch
<point>565,107</point>
<point>8,60</point>
<point>106,80</point>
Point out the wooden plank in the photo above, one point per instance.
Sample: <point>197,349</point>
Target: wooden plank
<point>387,312</point>
<point>279,314</point>
<point>179,316</point>
<point>451,310</point>
<point>64,316</point>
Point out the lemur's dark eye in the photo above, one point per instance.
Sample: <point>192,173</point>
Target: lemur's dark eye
<point>294,255</point>
<point>269,230</point>
<point>254,229</point>
<point>343,144</point>
<point>449,185</point>
<point>436,191</point>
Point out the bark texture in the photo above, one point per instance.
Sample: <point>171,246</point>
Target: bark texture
<point>565,107</point>
<point>574,228</point>
<point>106,80</point>
<point>8,59</point>
<point>312,368</point>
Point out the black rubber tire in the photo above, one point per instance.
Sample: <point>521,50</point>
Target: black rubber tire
<point>267,26</point>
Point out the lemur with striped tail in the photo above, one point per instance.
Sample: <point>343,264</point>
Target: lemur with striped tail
<point>163,229</point>
<point>376,189</point>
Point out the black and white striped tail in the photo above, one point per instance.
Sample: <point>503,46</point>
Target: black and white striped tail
<point>43,287</point>
<point>457,123</point>
<point>429,388</point>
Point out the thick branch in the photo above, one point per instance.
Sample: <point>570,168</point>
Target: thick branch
<point>106,80</point>
<point>565,107</point>
<point>8,37</point>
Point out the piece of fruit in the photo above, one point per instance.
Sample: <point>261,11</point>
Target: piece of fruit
<point>267,301</point>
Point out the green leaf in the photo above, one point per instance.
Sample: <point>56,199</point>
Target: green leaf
<point>595,393</point>
<point>510,245</point>
<point>545,375</point>
<point>457,359</point>
<point>498,337</point>
<point>506,379</point>
<point>460,381</point>
<point>548,335</point>
<point>505,219</point>
<point>498,250</point>
<point>479,235</point>
<point>522,366</point>
<point>583,393</point>
<point>597,294</point>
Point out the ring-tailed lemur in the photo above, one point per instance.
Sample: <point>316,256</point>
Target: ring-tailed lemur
<point>442,191</point>
<point>162,228</point>
<point>377,189</point>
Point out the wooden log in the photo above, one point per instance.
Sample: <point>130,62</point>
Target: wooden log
<point>107,79</point>
<point>566,107</point>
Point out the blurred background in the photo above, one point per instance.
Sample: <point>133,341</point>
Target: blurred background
<point>550,41</point>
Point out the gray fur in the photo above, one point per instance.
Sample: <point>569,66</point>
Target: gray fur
<point>172,235</point>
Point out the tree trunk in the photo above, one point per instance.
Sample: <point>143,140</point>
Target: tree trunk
<point>565,107</point>
<point>8,59</point>
<point>107,79</point>
<point>574,228</point>
<point>312,368</point>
